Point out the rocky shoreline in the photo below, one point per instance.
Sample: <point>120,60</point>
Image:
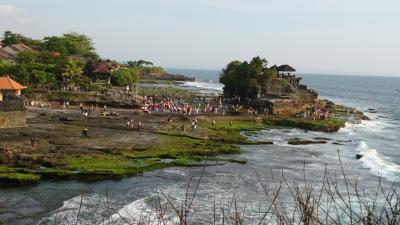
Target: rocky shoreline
<point>167,77</point>
<point>52,147</point>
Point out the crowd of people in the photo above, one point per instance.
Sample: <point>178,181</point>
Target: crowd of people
<point>317,114</point>
<point>190,107</point>
<point>175,105</point>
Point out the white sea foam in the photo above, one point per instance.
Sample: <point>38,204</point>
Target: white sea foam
<point>377,164</point>
<point>204,85</point>
<point>139,212</point>
<point>370,126</point>
<point>176,171</point>
<point>349,128</point>
<point>377,125</point>
<point>67,214</point>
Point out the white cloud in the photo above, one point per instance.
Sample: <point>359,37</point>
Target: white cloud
<point>11,14</point>
<point>9,10</point>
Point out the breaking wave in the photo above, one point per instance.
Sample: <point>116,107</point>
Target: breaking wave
<point>91,210</point>
<point>204,85</point>
<point>376,164</point>
<point>141,212</point>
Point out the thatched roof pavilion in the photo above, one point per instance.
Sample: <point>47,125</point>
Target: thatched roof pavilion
<point>286,68</point>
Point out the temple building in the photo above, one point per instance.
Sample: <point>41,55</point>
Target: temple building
<point>103,71</point>
<point>12,110</point>
<point>283,94</point>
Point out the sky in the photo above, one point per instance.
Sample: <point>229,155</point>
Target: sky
<point>360,37</point>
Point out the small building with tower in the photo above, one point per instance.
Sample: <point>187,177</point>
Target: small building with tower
<point>12,109</point>
<point>283,94</point>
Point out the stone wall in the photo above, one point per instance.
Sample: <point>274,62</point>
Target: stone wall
<point>285,96</point>
<point>289,107</point>
<point>277,86</point>
<point>12,105</point>
<point>285,107</point>
<point>307,96</point>
<point>12,119</point>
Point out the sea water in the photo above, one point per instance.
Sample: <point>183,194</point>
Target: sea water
<point>134,197</point>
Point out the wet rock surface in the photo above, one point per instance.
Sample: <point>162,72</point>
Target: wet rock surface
<point>297,141</point>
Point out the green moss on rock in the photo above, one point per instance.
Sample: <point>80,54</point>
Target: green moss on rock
<point>326,125</point>
<point>7,179</point>
<point>297,141</point>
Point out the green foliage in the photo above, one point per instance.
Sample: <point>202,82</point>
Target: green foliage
<point>146,67</point>
<point>71,44</point>
<point>269,74</point>
<point>327,125</point>
<point>6,68</point>
<point>28,92</point>
<point>10,38</point>
<point>115,164</point>
<point>27,57</point>
<point>297,141</point>
<point>139,63</point>
<point>22,73</point>
<point>63,59</point>
<point>242,78</point>
<point>82,81</point>
<point>94,87</point>
<point>42,77</point>
<point>57,59</point>
<point>12,178</point>
<point>107,86</point>
<point>152,70</point>
<point>123,77</point>
<point>72,69</point>
<point>29,69</point>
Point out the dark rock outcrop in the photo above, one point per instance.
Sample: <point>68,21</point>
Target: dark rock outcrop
<point>297,141</point>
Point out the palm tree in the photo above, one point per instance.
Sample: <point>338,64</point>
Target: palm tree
<point>72,69</point>
<point>140,63</point>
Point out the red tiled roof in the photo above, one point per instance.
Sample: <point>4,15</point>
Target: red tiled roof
<point>6,83</point>
<point>10,52</point>
<point>22,47</point>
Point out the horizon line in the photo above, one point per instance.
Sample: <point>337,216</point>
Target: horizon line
<point>297,72</point>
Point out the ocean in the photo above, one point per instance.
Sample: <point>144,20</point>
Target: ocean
<point>377,140</point>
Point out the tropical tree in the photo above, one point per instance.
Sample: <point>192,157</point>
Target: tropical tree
<point>6,68</point>
<point>22,73</point>
<point>71,70</point>
<point>71,44</point>
<point>140,63</point>
<point>43,78</point>
<point>10,38</point>
<point>242,78</point>
<point>26,57</point>
<point>126,77</point>
<point>88,69</point>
